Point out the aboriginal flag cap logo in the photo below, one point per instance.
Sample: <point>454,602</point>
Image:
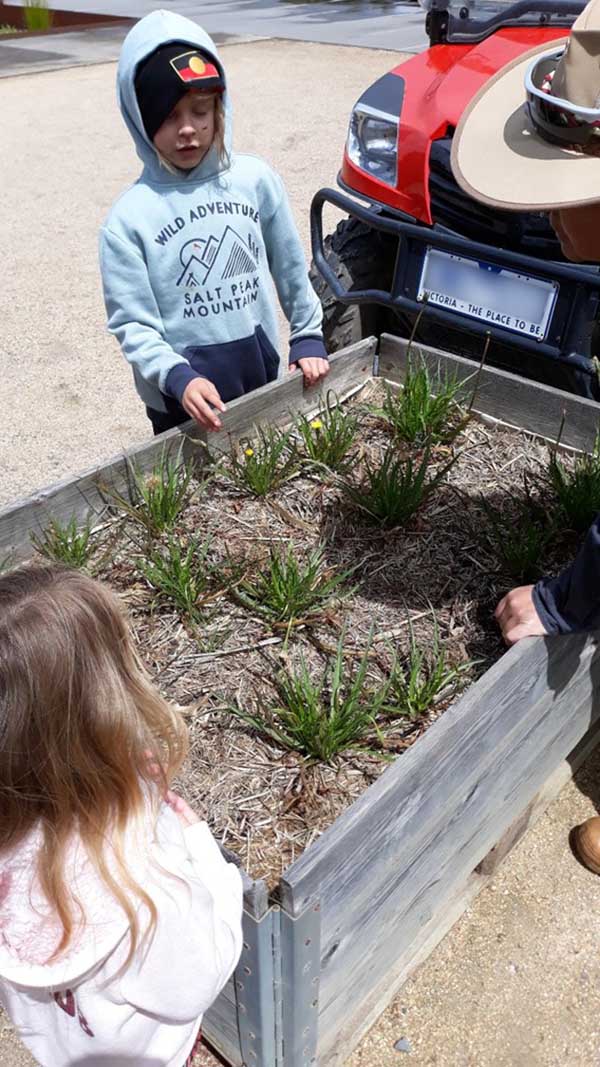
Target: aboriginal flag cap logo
<point>193,68</point>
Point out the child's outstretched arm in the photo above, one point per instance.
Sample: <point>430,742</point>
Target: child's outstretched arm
<point>297,297</point>
<point>135,320</point>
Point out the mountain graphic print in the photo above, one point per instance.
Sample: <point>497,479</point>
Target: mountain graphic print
<point>210,259</point>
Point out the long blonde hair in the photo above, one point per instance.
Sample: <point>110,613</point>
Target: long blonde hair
<point>78,719</point>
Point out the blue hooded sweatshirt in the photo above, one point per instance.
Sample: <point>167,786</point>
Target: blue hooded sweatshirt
<point>187,257</point>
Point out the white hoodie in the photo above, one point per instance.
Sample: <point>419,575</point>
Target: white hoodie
<point>79,1011</point>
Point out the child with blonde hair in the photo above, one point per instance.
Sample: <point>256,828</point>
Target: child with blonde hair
<point>190,252</point>
<point>120,921</point>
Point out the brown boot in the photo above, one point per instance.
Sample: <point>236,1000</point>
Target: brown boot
<point>585,840</point>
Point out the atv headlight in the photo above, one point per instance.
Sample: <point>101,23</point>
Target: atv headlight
<point>373,143</point>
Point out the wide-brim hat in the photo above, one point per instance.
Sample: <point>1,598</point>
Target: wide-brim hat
<point>501,158</point>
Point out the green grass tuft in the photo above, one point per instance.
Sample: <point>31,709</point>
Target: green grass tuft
<point>183,575</point>
<point>577,491</point>
<point>320,717</point>
<point>518,535</point>
<point>264,463</point>
<point>328,438</point>
<point>392,492</point>
<point>421,679</point>
<point>37,15</point>
<point>65,543</point>
<point>290,590</point>
<point>425,410</point>
<point>156,500</point>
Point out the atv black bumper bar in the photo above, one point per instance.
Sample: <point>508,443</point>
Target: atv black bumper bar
<point>576,306</point>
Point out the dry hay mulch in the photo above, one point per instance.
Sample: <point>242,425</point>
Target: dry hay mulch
<point>265,803</point>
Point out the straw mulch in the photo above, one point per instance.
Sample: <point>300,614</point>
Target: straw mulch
<point>263,802</point>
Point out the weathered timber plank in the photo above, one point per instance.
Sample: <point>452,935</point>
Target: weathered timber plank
<point>551,788</point>
<point>524,404</point>
<point>430,935</point>
<point>256,894</point>
<point>388,865</point>
<point>83,494</point>
<point>279,402</point>
<point>377,999</point>
<point>220,1026</point>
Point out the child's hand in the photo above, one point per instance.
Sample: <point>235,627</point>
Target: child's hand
<point>313,368</point>
<point>197,399</point>
<point>185,814</point>
<point>517,617</point>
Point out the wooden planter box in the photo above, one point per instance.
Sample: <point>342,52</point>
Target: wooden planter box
<point>370,899</point>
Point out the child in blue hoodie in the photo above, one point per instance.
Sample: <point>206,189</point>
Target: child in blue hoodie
<point>188,252</point>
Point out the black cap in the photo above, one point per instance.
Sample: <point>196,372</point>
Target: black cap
<point>169,73</point>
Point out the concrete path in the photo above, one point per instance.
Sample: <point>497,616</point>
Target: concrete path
<point>390,24</point>
<point>59,51</point>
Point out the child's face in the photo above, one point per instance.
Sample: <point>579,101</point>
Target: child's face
<point>187,133</point>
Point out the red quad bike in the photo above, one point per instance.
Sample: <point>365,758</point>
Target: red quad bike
<point>420,239</point>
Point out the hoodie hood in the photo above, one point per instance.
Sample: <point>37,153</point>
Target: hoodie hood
<point>30,931</point>
<point>160,28</point>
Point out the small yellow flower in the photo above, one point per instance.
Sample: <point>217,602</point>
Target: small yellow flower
<point>249,452</point>
<point>316,424</point>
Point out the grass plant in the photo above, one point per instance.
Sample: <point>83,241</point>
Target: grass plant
<point>156,500</point>
<point>320,717</point>
<point>425,410</point>
<point>37,15</point>
<point>184,575</point>
<point>264,463</point>
<point>392,492</point>
<point>421,679</point>
<point>7,29</point>
<point>577,491</point>
<point>289,590</point>
<point>66,543</point>
<point>518,535</point>
<point>328,438</point>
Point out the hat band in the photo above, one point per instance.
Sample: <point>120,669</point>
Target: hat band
<point>557,120</point>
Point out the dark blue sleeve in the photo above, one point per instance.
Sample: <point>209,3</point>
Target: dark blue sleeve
<point>570,603</point>
<point>307,348</point>
<point>178,379</point>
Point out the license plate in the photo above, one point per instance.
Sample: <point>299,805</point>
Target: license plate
<point>483,291</point>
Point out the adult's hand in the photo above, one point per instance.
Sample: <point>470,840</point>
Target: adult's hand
<point>517,617</point>
<point>199,398</point>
